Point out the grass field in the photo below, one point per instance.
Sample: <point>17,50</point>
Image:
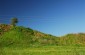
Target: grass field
<point>46,50</point>
<point>25,41</point>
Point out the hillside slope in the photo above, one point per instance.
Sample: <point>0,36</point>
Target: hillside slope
<point>21,36</point>
<point>73,39</point>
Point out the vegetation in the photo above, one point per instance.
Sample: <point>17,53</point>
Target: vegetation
<point>14,21</point>
<point>20,36</point>
<point>19,40</point>
<point>45,50</point>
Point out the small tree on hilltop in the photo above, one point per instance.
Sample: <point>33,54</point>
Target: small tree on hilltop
<point>14,21</point>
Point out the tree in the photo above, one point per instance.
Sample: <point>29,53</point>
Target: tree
<point>14,21</point>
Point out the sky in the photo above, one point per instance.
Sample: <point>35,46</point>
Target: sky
<point>56,17</point>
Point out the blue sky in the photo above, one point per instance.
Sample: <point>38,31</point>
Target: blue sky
<point>56,17</point>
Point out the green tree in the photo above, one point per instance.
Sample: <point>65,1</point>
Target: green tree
<point>14,21</point>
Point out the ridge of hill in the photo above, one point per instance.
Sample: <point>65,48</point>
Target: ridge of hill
<point>20,36</point>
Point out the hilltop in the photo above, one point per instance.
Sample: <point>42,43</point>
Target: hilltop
<point>20,36</point>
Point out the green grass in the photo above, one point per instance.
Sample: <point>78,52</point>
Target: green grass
<point>25,41</point>
<point>46,50</point>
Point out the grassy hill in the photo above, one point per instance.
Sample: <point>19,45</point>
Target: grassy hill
<point>73,39</point>
<point>26,41</point>
<point>23,37</point>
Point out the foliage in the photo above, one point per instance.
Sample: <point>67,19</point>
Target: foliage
<point>19,40</point>
<point>21,36</point>
<point>45,50</point>
<point>14,21</point>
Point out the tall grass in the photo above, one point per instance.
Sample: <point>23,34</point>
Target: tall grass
<point>25,41</point>
<point>46,50</point>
